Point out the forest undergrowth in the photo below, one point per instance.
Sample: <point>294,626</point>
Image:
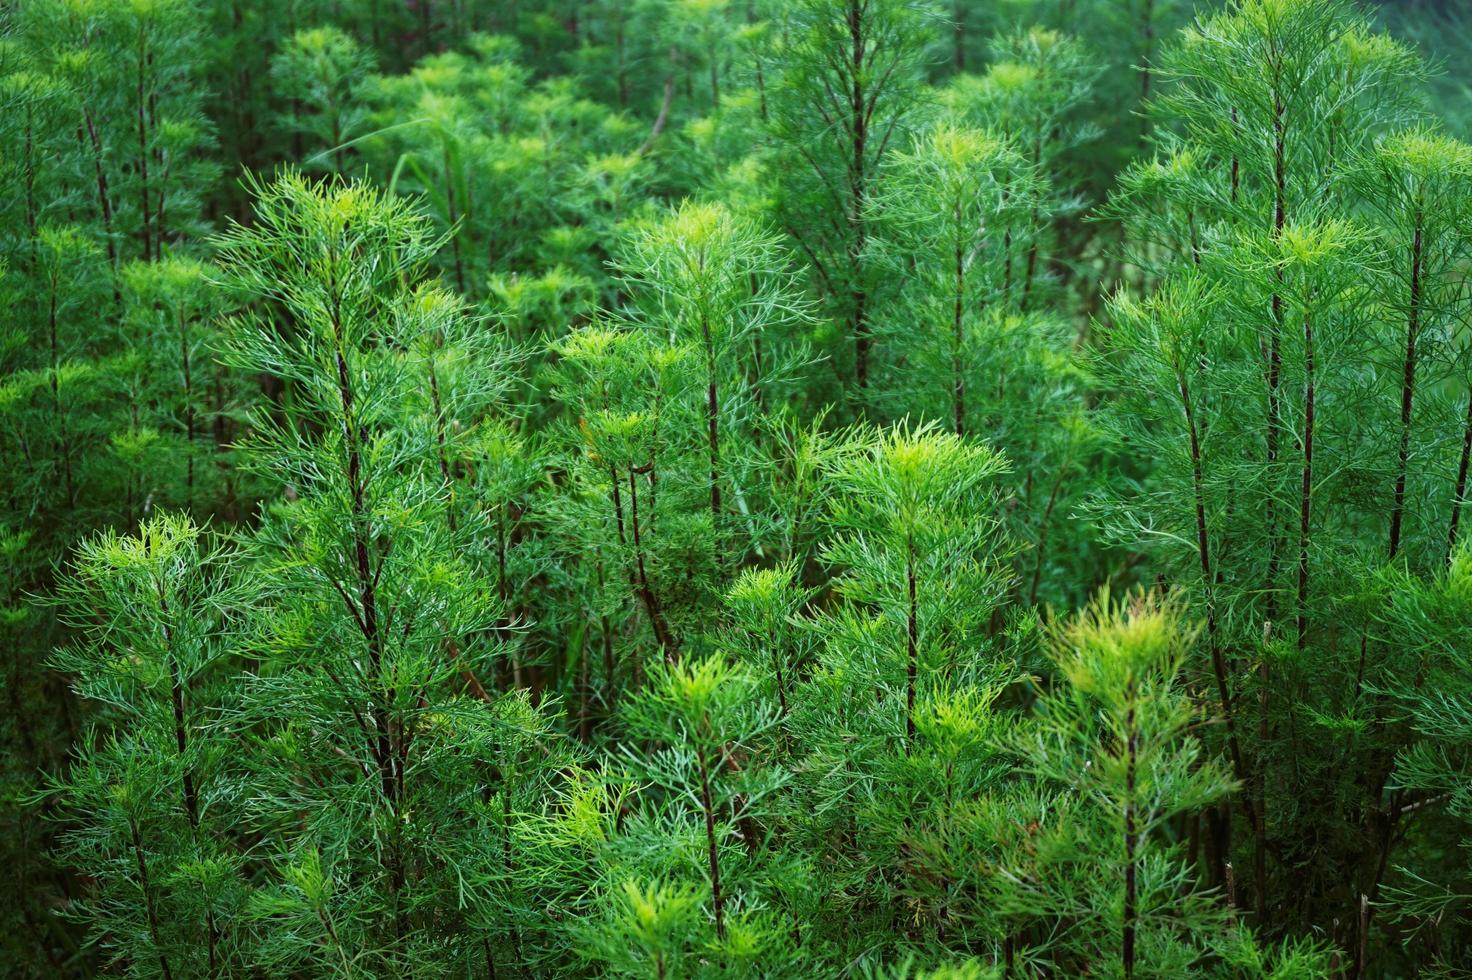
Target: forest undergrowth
<point>736,488</point>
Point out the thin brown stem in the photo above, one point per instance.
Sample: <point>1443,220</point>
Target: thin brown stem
<point>712,853</point>
<point>1408,382</point>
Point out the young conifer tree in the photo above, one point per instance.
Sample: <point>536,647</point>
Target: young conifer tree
<point>1098,871</point>
<point>172,137</point>
<point>467,372</point>
<point>533,178</point>
<point>359,729</point>
<point>1272,106</point>
<point>1030,95</point>
<point>914,541</point>
<point>795,455</point>
<point>700,818</point>
<point>1429,614</point>
<point>944,214</point>
<point>321,69</point>
<point>149,803</point>
<point>849,92</point>
<point>921,566</point>
<point>172,306</point>
<point>1413,182</point>
<point>1022,379</point>
<point>107,157</point>
<point>624,441</point>
<point>764,632</point>
<point>714,281</point>
<point>700,38</point>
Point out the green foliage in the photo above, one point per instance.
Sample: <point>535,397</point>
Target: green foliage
<point>636,489</point>
<point>147,804</point>
<point>848,93</point>
<point>1114,744</point>
<point>1287,242</point>
<point>322,68</point>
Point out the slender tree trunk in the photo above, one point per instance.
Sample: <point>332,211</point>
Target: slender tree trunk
<point>160,225</point>
<point>1236,164</point>
<point>104,205</point>
<point>390,779</point>
<point>610,665</point>
<point>1007,262</point>
<point>585,686</point>
<point>1147,36</point>
<point>1407,396</point>
<point>712,852</point>
<point>437,406</point>
<point>715,79</point>
<point>509,863</point>
<point>781,679</point>
<point>222,445</point>
<point>149,905</point>
<point>1275,355</point>
<point>503,585</point>
<point>622,71</point>
<point>1274,426</point>
<point>181,744</point>
<point>958,37</point>
<point>761,91</point>
<point>181,737</point>
<point>646,592</point>
<point>1408,383</point>
<point>1208,577</point>
<point>1044,524</point>
<point>618,504</point>
<point>759,391</point>
<point>367,607</point>
<point>1035,231</point>
<point>30,181</point>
